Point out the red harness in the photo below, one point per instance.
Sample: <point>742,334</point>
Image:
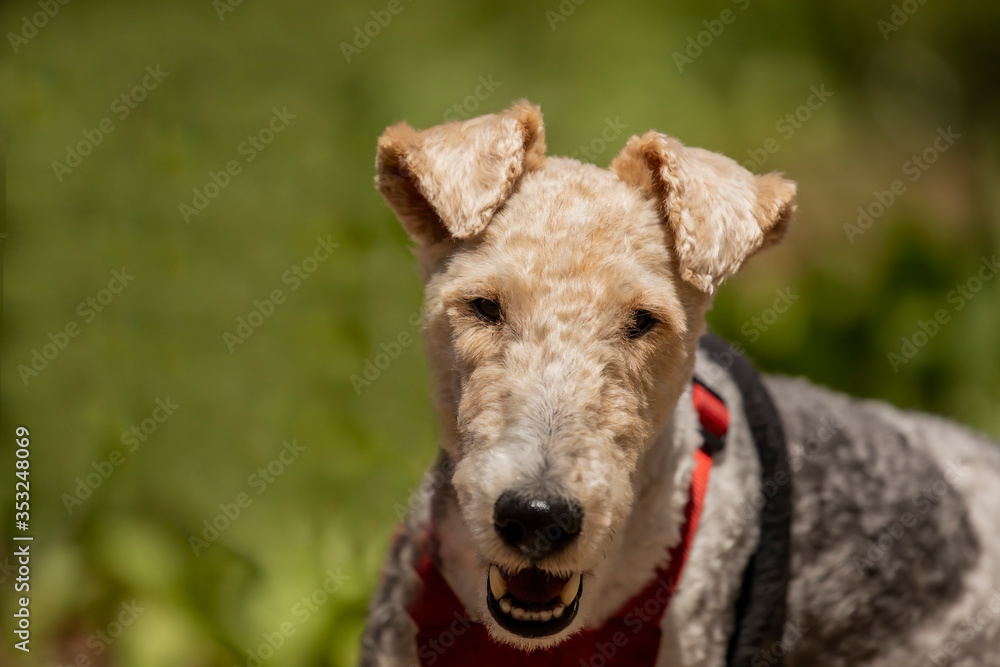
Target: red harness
<point>447,636</point>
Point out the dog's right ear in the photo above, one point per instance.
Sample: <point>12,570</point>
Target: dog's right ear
<point>449,180</point>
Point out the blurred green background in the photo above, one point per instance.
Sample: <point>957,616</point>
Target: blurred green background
<point>333,508</point>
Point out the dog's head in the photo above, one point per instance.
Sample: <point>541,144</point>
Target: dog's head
<point>563,307</point>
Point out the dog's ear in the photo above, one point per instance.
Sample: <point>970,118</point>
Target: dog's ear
<point>450,180</point>
<point>717,213</point>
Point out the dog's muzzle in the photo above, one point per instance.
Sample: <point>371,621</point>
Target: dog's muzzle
<point>533,602</point>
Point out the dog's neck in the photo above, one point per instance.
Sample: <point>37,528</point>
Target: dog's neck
<point>660,483</point>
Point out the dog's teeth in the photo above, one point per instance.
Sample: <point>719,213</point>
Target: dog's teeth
<point>498,588</point>
<point>569,591</point>
<point>531,616</point>
<point>497,583</point>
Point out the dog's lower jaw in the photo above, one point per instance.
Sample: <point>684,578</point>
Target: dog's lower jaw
<point>532,644</point>
<point>526,620</point>
<point>528,643</point>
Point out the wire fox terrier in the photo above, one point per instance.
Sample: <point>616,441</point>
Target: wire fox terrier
<point>616,488</point>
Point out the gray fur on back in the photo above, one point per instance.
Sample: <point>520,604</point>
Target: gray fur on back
<point>882,536</point>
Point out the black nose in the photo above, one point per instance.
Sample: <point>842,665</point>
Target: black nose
<point>537,526</point>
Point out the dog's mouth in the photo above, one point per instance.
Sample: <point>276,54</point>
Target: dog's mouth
<point>533,603</point>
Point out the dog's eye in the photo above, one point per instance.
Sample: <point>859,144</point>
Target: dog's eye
<point>487,310</point>
<point>642,322</point>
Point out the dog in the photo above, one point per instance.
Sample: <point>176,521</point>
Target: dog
<point>617,487</point>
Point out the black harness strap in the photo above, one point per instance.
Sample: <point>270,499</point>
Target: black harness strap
<point>761,607</point>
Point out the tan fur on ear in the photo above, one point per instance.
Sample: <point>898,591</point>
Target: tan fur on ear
<point>776,205</point>
<point>451,179</point>
<point>717,212</point>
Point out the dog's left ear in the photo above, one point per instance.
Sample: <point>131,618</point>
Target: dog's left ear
<point>717,213</point>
